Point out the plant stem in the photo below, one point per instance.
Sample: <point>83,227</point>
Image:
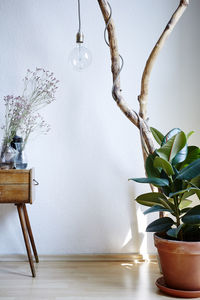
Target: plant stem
<point>177,214</point>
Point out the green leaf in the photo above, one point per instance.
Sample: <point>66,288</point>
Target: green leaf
<point>169,150</point>
<point>196,181</point>
<point>189,134</point>
<point>155,208</point>
<point>192,155</point>
<point>181,156</point>
<point>190,193</point>
<point>165,165</point>
<point>184,210</point>
<point>151,171</point>
<point>153,180</point>
<point>190,172</point>
<point>150,199</point>
<point>168,204</point>
<point>166,190</point>
<point>192,217</point>
<point>170,134</point>
<point>173,232</point>
<point>158,136</point>
<point>160,225</point>
<point>184,191</point>
<point>190,229</point>
<point>191,232</point>
<point>184,203</point>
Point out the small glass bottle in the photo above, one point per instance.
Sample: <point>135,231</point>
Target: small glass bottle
<point>20,159</point>
<point>8,154</point>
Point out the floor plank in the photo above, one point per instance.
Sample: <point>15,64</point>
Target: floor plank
<point>79,281</point>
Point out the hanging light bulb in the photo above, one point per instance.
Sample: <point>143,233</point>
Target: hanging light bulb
<point>80,57</point>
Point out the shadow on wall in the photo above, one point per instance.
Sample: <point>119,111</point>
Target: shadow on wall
<point>133,236</point>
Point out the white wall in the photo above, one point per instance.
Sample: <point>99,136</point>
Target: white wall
<point>84,202</point>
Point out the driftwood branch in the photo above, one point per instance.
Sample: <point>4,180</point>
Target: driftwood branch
<point>115,68</point>
<point>139,120</point>
<point>156,50</point>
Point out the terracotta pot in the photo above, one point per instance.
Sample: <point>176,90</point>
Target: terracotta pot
<point>180,263</point>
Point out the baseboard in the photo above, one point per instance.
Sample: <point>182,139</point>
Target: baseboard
<point>84,257</point>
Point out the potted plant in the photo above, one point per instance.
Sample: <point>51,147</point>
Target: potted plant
<point>174,168</point>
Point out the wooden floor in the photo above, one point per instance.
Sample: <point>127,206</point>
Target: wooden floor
<point>80,281</point>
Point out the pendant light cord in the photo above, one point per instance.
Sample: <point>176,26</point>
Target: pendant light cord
<point>79,16</point>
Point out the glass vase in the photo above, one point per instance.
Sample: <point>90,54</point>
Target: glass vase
<point>8,154</point>
<point>20,159</point>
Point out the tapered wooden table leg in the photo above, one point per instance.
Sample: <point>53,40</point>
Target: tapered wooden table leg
<point>26,239</point>
<point>28,225</point>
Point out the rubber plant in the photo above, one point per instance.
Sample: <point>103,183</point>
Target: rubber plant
<point>175,169</point>
<point>172,170</point>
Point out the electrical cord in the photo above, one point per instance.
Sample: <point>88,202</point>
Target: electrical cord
<point>79,17</point>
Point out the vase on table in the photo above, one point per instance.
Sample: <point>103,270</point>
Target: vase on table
<point>8,154</point>
<point>20,159</point>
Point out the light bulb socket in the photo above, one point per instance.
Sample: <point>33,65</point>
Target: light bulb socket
<point>79,37</point>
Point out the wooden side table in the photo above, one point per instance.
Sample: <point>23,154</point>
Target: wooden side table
<point>17,187</point>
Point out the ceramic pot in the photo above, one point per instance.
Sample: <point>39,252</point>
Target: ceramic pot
<point>180,263</point>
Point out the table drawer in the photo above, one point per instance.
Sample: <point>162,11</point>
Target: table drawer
<point>14,176</point>
<point>14,193</point>
<point>17,186</point>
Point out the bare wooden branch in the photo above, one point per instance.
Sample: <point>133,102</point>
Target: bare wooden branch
<point>138,119</point>
<point>156,50</point>
<point>117,94</point>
